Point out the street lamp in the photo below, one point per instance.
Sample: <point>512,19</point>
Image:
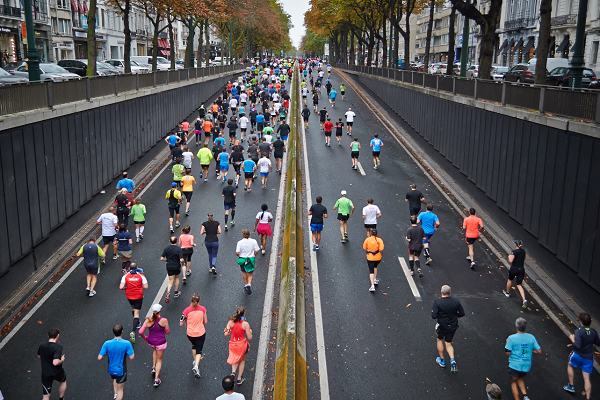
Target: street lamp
<point>33,63</point>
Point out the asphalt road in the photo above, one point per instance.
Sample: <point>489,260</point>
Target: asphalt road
<point>85,323</point>
<point>383,344</point>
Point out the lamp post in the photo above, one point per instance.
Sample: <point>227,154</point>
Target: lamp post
<point>33,62</point>
<point>577,60</point>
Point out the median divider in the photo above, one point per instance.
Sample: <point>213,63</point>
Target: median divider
<point>290,364</point>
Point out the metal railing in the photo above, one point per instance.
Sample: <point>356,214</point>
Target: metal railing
<point>36,95</point>
<point>581,104</point>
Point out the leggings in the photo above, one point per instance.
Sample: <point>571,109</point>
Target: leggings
<point>123,215</point>
<point>212,248</point>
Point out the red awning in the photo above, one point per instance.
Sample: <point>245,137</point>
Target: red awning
<point>163,43</point>
<point>74,6</point>
<point>85,7</point>
<point>165,52</point>
<point>80,7</point>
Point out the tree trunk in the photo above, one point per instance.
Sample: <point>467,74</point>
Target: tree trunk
<point>488,40</point>
<point>428,39</point>
<point>189,47</point>
<point>127,32</point>
<point>396,46</point>
<point>91,40</point>
<point>207,40</point>
<point>155,44</point>
<point>352,50</point>
<point>200,42</point>
<point>542,50</point>
<point>451,43</point>
<point>171,41</point>
<point>370,47</point>
<point>407,43</point>
<point>384,61</point>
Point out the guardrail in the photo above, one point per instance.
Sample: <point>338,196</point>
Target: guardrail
<point>581,103</point>
<point>36,95</point>
<point>290,360</point>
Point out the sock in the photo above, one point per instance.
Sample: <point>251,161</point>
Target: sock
<point>142,230</point>
<point>233,215</point>
<point>427,252</point>
<point>226,218</point>
<point>412,264</point>
<point>137,233</point>
<point>418,264</point>
<point>136,321</point>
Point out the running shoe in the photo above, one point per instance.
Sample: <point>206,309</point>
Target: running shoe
<point>139,325</point>
<point>505,293</point>
<point>375,167</point>
<point>132,337</point>
<point>137,240</point>
<point>176,294</point>
<point>206,180</point>
<point>124,271</point>
<point>172,230</point>
<point>420,272</point>
<point>153,370</point>
<point>318,247</point>
<point>213,270</point>
<point>232,222</point>
<point>249,189</point>
<point>141,236</point>
<point>156,382</point>
<point>167,297</point>
<point>378,162</point>
<point>115,257</point>
<point>249,289</point>
<point>372,288</point>
<point>226,229</point>
<point>314,249</point>
<point>441,362</point>
<point>468,258</point>
<point>346,235</point>
<point>526,397</point>
<point>240,381</point>
<point>428,260</point>
<point>92,293</point>
<point>524,304</point>
<point>472,265</point>
<point>87,289</point>
<point>196,371</point>
<point>177,224</point>
<point>569,388</point>
<point>188,273</point>
<point>184,280</point>
<point>263,252</point>
<point>375,281</point>
<point>453,365</point>
<point>187,213</point>
<point>343,240</point>
<point>412,272</point>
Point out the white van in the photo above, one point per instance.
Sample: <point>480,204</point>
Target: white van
<point>552,63</point>
<point>162,64</point>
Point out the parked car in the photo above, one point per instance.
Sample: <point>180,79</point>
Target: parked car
<point>12,66</point>
<point>433,68</point>
<point>456,69</point>
<point>442,69</point>
<point>8,78</point>
<point>162,64</point>
<point>135,67</point>
<point>497,72</point>
<point>472,71</point>
<point>551,63</point>
<point>79,67</point>
<point>49,72</point>
<point>559,76</point>
<point>217,61</point>
<point>520,73</point>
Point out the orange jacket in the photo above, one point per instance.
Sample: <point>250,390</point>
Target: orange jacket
<point>373,244</point>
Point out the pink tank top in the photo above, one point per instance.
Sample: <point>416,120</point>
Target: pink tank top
<point>156,335</point>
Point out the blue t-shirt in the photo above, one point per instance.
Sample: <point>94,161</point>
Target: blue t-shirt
<point>126,184</point>
<point>117,350</point>
<point>376,142</point>
<point>237,98</point>
<point>220,140</point>
<point>223,158</point>
<point>233,91</point>
<point>249,166</point>
<point>173,140</point>
<point>521,346</point>
<point>123,238</point>
<point>260,118</point>
<point>428,220</point>
<point>333,94</point>
<point>241,109</point>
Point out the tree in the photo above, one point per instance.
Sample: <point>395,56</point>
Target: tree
<point>451,45</point>
<point>428,39</point>
<point>123,8</point>
<point>91,40</point>
<point>155,11</point>
<point>542,50</point>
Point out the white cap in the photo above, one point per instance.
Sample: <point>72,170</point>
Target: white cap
<point>156,308</point>
<point>343,192</point>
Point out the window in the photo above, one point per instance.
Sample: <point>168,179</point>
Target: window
<point>64,26</point>
<point>64,4</point>
<point>54,25</point>
<point>594,52</point>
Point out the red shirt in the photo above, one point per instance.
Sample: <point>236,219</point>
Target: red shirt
<point>471,224</point>
<point>328,126</point>
<point>134,282</point>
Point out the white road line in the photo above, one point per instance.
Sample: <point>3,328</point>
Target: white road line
<point>360,168</point>
<point>323,379</point>
<point>409,278</point>
<point>159,295</point>
<point>265,327</point>
<point>167,165</point>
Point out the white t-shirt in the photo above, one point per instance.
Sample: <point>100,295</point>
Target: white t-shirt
<point>350,116</point>
<point>243,97</point>
<point>187,159</point>
<point>108,224</point>
<point>247,247</point>
<point>321,74</point>
<point>243,123</point>
<point>304,91</point>
<point>265,164</point>
<point>233,103</point>
<point>275,96</point>
<point>370,212</point>
<point>232,396</point>
<point>276,107</point>
<point>269,139</point>
<point>263,218</point>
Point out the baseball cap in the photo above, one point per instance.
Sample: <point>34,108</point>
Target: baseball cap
<point>518,242</point>
<point>374,231</point>
<point>173,184</point>
<point>343,192</point>
<point>156,308</point>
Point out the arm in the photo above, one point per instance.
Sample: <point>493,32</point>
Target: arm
<point>324,215</point>
<point>538,351</point>
<point>218,230</point>
<point>460,312</point>
<point>166,326</point>
<point>511,257</point>
<point>57,361</point>
<point>434,310</point>
<point>379,215</point>
<point>352,209</point>
<point>248,330</point>
<point>202,230</point>
<point>422,199</point>
<point>255,225</point>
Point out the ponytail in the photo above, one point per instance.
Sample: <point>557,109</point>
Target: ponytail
<point>153,318</point>
<point>239,313</point>
<point>210,217</point>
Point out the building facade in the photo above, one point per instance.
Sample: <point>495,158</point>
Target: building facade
<point>438,50</point>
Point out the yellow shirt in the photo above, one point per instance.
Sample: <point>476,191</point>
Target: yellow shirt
<point>188,182</point>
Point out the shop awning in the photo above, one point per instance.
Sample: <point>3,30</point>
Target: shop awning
<point>563,44</point>
<point>518,45</point>
<point>74,6</point>
<point>85,7</point>
<point>503,46</point>
<point>511,44</point>
<point>529,45</point>
<point>80,7</point>
<point>164,43</point>
<point>551,45</point>
<point>165,52</point>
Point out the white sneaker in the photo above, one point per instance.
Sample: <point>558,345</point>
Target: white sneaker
<point>92,293</point>
<point>87,289</point>
<point>376,281</point>
<point>372,288</point>
<point>263,251</point>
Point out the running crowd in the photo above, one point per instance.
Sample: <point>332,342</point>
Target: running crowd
<point>256,105</point>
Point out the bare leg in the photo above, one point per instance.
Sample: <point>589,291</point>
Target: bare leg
<point>521,291</point>
<point>508,286</point>
<point>170,284</point>
<point>514,388</point>
<point>471,253</point>
<point>450,349</point>
<point>176,283</point>
<point>158,362</point>
<point>242,364</point>
<point>521,383</point>
<point>342,228</point>
<point>119,390</point>
<point>440,348</point>
<point>571,374</point>
<point>63,388</point>
<point>587,385</point>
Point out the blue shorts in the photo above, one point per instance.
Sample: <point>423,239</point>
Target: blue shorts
<point>264,174</point>
<point>333,99</point>
<point>576,361</point>
<point>284,137</point>
<point>427,237</point>
<point>228,206</point>
<point>224,167</point>
<point>316,227</point>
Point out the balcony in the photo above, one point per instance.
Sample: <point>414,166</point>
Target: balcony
<point>8,11</point>
<point>569,19</point>
<point>40,16</point>
<point>520,23</point>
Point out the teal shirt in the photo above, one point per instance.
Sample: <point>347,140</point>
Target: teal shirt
<point>521,346</point>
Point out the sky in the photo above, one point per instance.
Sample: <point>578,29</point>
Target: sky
<point>296,8</point>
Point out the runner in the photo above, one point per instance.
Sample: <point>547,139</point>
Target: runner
<point>278,150</point>
<point>205,155</point>
<point>415,236</point>
<point>237,159</point>
<point>328,86</point>
<point>249,169</point>
<point>217,148</point>
<point>211,229</point>
<point>244,126</point>
<point>174,258</point>
<point>473,225</point>
<point>198,129</point>
<point>123,241</point>
<point>173,197</point>
<point>305,115</point>
<point>176,153</point>
<point>520,348</point>
<point>304,95</point>
<point>232,125</point>
<point>224,164</point>
<point>354,152</point>
<point>339,127</point>
<point>215,111</point>
<point>229,195</point>
<point>349,121</point>
<point>126,183</point>
<point>157,327</point>
<point>582,355</point>
<point>265,166</point>
<point>110,224</point>
<point>52,358</point>
<point>246,250</point>
<point>370,214</point>
<point>345,210</point>
<point>332,97</point>
<point>187,157</point>
<point>429,222</point>
<point>268,134</point>
<point>262,227</point>
<point>323,116</point>
<point>516,258</point>
<point>92,256</point>
<point>376,144</point>
<point>207,126</point>
<point>188,182</point>
<point>172,140</point>
<point>178,170</point>
<point>116,350</point>
<point>201,111</point>
<point>239,330</point>
<point>373,246</point>
<point>317,212</point>
<point>315,99</point>
<point>446,310</point>
<point>414,199</point>
<point>343,91</point>
<point>194,316</point>
<point>186,242</point>
<point>134,283</point>
<point>228,384</point>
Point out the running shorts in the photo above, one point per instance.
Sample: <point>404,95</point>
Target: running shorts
<point>229,206</point>
<point>249,175</point>
<point>586,364</point>
<point>47,381</point>
<point>120,379</point>
<point>427,238</point>
<point>224,167</point>
<point>349,123</point>
<point>445,334</point>
<point>376,153</point>
<point>516,273</point>
<point>278,154</point>
<point>173,211</point>
<point>342,217</point>
<point>136,303</point>
<point>470,240</point>
<point>371,226</point>
<point>187,253</point>
<point>173,272</point>
<point>354,154</point>
<point>328,133</point>
<point>188,196</point>
<point>316,227</point>
<point>416,253</point>
<point>372,265</point>
<point>108,239</point>
<point>513,373</point>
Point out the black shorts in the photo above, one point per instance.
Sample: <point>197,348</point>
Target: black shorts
<point>47,381</point>
<point>354,154</point>
<point>338,133</point>
<point>236,167</point>
<point>513,373</point>
<point>232,133</point>
<point>92,270</point>
<point>342,92</point>
<point>415,211</point>
<point>445,334</point>
<point>316,103</point>
<point>139,222</point>
<point>243,129</point>
<point>470,240</point>
<point>305,119</point>
<point>188,195</point>
<point>376,153</point>
<point>278,155</point>
<point>371,226</point>
<point>173,272</point>
<point>207,134</point>
<point>416,253</point>
<point>136,304</point>
<point>328,133</point>
<point>120,379</point>
<point>108,239</point>
<point>187,253</point>
<point>197,343</point>
<point>516,273</point>
<point>215,114</point>
<point>349,123</point>
<point>173,211</point>
<point>342,217</point>
<point>321,120</point>
<point>260,126</point>
<point>372,265</point>
<point>249,175</point>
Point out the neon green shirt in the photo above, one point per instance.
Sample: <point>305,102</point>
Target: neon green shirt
<point>138,211</point>
<point>205,155</point>
<point>177,172</point>
<point>343,205</point>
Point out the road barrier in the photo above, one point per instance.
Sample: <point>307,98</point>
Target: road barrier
<point>290,364</point>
